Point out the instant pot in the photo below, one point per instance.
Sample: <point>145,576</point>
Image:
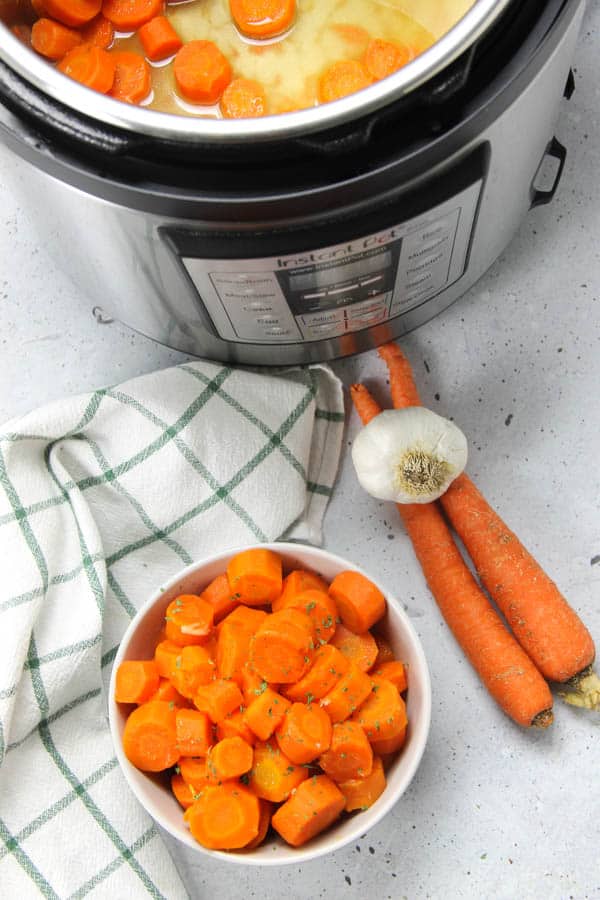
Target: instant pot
<point>304,236</point>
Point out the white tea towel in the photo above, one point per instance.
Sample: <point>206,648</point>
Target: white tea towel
<point>102,498</point>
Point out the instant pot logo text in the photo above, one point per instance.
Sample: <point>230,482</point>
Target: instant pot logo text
<point>330,254</point>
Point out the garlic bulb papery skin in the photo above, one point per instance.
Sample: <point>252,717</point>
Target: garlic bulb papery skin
<point>409,455</point>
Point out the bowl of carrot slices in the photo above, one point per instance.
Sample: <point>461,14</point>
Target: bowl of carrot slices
<point>269,705</point>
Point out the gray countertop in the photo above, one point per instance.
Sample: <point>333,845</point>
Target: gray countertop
<point>494,811</point>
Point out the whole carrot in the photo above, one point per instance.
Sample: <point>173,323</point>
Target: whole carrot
<point>546,626</point>
<point>507,672</point>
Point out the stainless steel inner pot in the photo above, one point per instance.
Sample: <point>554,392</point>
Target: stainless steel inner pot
<point>43,76</point>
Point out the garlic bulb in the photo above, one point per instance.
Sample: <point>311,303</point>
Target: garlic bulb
<point>409,455</point>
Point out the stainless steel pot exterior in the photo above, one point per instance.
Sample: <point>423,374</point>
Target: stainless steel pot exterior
<point>99,108</point>
<point>117,256</point>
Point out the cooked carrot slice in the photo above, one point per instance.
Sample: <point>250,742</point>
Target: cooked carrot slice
<point>342,78</point>
<point>320,607</point>
<point>383,714</point>
<point>194,772</point>
<point>382,58</point>
<point>359,601</point>
<point>350,754</point>
<point>194,732</point>
<point>128,15</point>
<point>254,574</point>
<point>165,657</point>
<point>326,670</point>
<point>224,817</point>
<point>264,821</point>
<point>262,18</point>
<point>384,650</point>
<point>217,593</point>
<point>359,648</point>
<point>314,805</point>
<point>159,39</point>
<point>132,84</point>
<point>361,793</point>
<point>274,776</point>
<point>218,699</point>
<point>243,98</point>
<point>281,650</point>
<point>72,12</point>
<point>248,618</point>
<point>149,736</point>
<point>252,684</point>
<point>390,745</point>
<point>234,725</point>
<point>188,618</point>
<point>53,40</point>
<point>193,667</point>
<point>166,690</point>
<point>233,646</point>
<point>266,712</point>
<point>347,695</point>
<point>233,642</point>
<point>184,793</point>
<point>305,732</point>
<point>229,759</point>
<point>136,681</point>
<point>393,671</point>
<point>296,582</point>
<point>91,66</point>
<point>99,32</point>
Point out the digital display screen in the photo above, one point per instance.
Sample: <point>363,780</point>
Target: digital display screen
<point>328,285</point>
<point>340,273</point>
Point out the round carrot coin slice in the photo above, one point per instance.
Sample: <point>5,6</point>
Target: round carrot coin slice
<point>201,71</point>
<point>132,82</point>
<point>243,98</point>
<point>343,78</point>
<point>382,58</point>
<point>91,66</point>
<point>262,18</point>
<point>127,15</point>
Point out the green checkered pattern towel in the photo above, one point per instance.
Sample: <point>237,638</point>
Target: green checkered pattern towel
<point>102,498</point>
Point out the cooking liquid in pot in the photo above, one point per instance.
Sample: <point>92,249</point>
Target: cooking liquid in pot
<point>290,65</point>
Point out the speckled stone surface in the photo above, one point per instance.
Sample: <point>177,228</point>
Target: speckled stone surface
<point>494,811</point>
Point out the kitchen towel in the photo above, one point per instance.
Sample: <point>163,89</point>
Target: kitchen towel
<point>102,498</point>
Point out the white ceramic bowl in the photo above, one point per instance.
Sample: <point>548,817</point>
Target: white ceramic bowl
<point>139,642</point>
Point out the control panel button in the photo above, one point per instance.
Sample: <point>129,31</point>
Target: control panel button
<point>325,326</point>
<point>331,290</point>
<point>257,306</point>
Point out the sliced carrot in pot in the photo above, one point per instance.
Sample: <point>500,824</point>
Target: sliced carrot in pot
<point>262,18</point>
<point>91,66</point>
<point>128,15</point>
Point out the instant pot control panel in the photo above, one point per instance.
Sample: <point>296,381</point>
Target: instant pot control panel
<point>328,291</point>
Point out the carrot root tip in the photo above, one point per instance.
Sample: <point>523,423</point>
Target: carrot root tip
<point>585,691</point>
<point>543,719</point>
